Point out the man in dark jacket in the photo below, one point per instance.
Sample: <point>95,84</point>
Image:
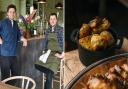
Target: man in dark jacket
<point>9,37</point>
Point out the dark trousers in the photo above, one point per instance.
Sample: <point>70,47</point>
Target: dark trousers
<point>9,67</point>
<point>49,75</point>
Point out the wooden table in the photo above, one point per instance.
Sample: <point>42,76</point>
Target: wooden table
<point>72,66</point>
<point>6,86</point>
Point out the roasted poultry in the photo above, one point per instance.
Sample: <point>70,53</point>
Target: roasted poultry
<point>85,31</point>
<point>108,38</point>
<point>95,35</point>
<point>115,78</point>
<point>86,42</point>
<point>98,42</point>
<point>100,82</point>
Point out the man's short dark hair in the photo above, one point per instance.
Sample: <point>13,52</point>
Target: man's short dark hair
<point>52,15</point>
<point>11,6</point>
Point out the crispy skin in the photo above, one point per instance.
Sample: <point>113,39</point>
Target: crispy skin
<point>95,22</point>
<point>97,42</point>
<point>97,29</point>
<point>99,82</point>
<point>84,31</point>
<point>98,25</point>
<point>105,24</point>
<point>113,79</point>
<point>107,36</point>
<point>86,42</point>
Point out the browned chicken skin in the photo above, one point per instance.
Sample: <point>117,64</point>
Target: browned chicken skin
<point>107,36</point>
<point>115,78</point>
<point>98,42</point>
<point>85,31</point>
<point>99,82</point>
<point>86,42</point>
<point>97,29</point>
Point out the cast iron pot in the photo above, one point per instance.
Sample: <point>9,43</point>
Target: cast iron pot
<point>102,66</point>
<point>88,57</point>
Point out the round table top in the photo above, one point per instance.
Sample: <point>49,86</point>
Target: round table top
<point>7,86</point>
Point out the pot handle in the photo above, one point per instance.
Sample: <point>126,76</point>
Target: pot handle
<point>119,42</point>
<point>73,35</point>
<point>119,39</point>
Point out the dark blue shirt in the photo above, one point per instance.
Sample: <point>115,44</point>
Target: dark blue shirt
<point>10,36</point>
<point>60,36</point>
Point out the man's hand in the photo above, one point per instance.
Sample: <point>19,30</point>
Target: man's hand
<point>1,41</point>
<point>60,55</point>
<point>24,41</point>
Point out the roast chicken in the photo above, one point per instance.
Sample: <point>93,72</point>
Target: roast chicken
<point>95,35</point>
<point>115,78</point>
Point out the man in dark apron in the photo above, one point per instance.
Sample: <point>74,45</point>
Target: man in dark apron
<point>54,41</point>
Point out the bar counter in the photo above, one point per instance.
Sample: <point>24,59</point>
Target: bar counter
<point>27,57</point>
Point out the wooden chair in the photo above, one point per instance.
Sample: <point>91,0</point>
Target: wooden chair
<point>25,81</point>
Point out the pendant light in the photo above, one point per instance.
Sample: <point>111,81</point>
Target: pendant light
<point>41,1</point>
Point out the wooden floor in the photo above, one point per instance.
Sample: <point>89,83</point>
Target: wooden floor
<point>72,66</point>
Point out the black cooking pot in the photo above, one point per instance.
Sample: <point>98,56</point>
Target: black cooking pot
<point>102,67</point>
<point>88,57</point>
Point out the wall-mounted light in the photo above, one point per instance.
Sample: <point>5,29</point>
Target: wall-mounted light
<point>41,1</point>
<point>59,5</point>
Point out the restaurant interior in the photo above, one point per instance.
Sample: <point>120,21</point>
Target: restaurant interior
<point>84,60</point>
<point>38,11</point>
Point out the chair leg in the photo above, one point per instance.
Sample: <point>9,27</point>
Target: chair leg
<point>43,80</point>
<point>60,78</point>
<point>52,83</point>
<point>61,74</point>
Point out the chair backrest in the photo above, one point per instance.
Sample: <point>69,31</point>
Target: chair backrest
<point>23,78</point>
